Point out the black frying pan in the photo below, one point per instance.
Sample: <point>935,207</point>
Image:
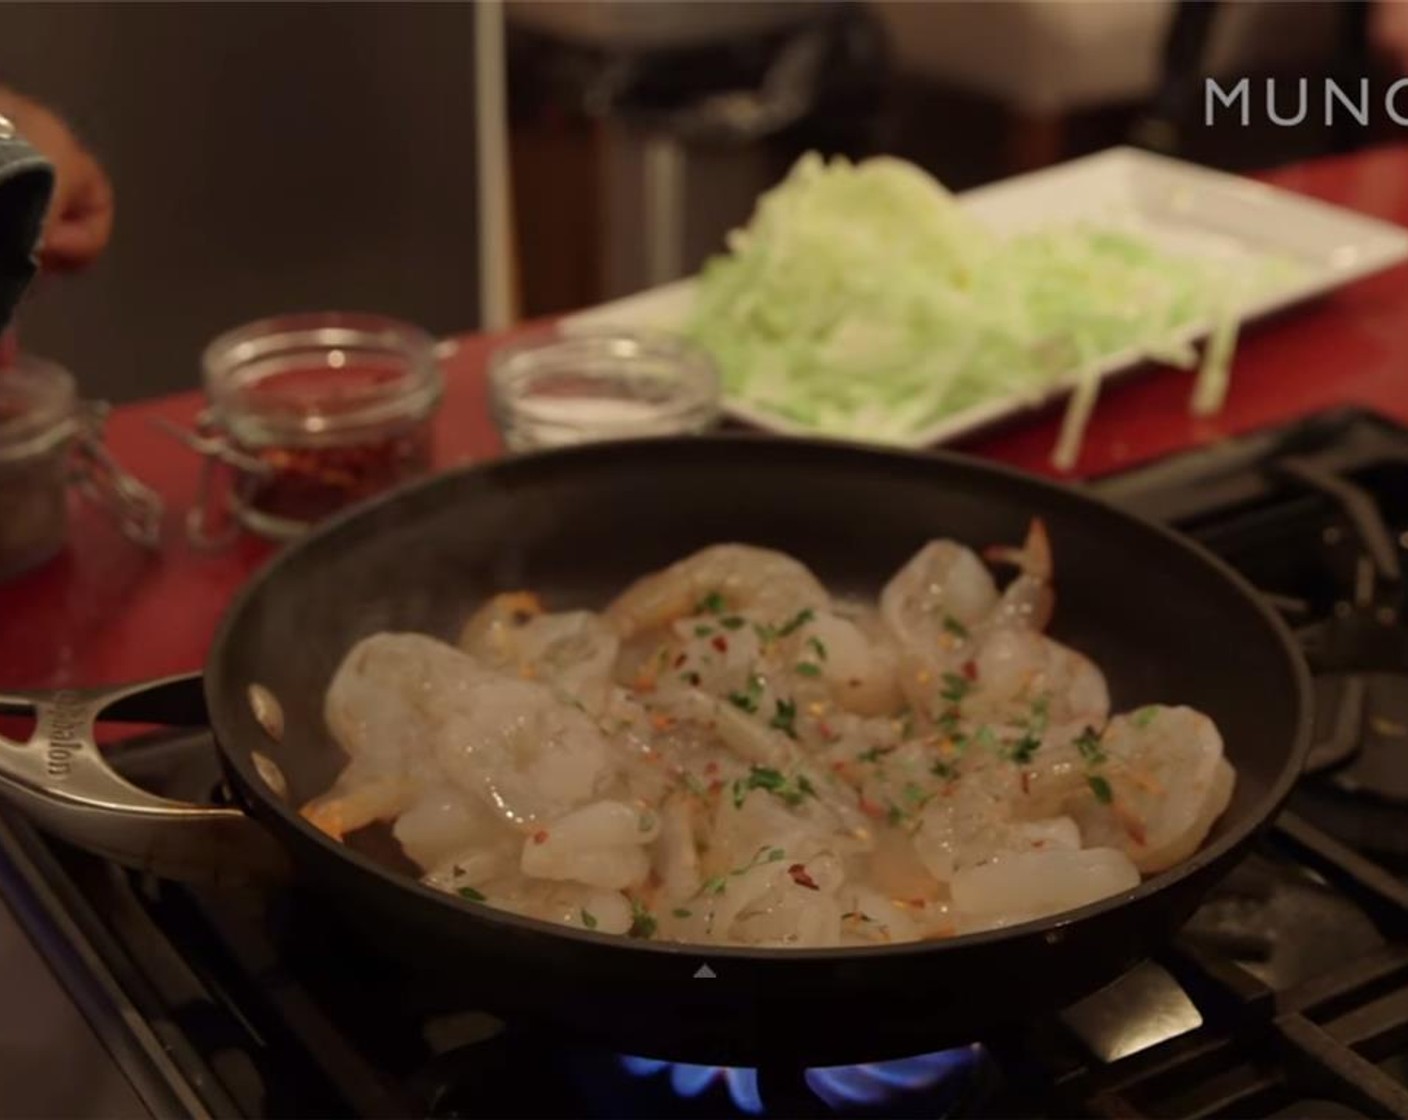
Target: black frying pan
<point>1165,621</point>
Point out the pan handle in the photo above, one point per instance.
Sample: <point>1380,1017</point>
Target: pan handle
<point>60,779</point>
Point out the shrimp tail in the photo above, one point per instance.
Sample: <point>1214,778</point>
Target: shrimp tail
<point>339,812</point>
<point>1030,595</point>
<point>1033,557</point>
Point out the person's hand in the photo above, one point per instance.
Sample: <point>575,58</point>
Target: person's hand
<point>79,221</point>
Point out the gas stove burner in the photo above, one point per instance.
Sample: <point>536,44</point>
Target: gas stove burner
<point>939,1080</point>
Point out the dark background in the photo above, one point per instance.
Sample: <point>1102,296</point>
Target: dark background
<point>266,158</point>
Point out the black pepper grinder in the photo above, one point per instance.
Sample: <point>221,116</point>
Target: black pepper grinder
<point>26,185</point>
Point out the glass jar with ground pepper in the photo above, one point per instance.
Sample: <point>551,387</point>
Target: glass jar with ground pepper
<point>50,440</point>
<point>308,414</point>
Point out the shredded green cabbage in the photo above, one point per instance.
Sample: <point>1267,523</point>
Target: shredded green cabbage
<point>863,301</point>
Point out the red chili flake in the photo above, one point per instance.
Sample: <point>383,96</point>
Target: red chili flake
<point>798,871</point>
<point>305,484</point>
<point>541,836</point>
<point>680,660</point>
<point>720,643</point>
<point>1133,826</point>
<point>715,786</point>
<point>711,768</point>
<point>917,902</point>
<point>872,810</point>
<point>825,731</point>
<point>970,670</point>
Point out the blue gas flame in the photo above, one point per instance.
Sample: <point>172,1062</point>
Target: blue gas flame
<point>841,1087</point>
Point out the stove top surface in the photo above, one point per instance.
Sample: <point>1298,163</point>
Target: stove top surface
<point>1285,995</point>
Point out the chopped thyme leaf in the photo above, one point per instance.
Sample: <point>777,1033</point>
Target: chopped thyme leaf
<point>785,718</point>
<point>808,669</point>
<point>796,622</point>
<point>894,814</point>
<point>791,792</point>
<point>732,622</point>
<point>748,699</point>
<point>1144,716</point>
<point>955,688</point>
<point>765,777</point>
<point>818,647</point>
<point>1041,711</point>
<point>588,919</point>
<point>1088,743</point>
<point>1101,788</point>
<point>944,770</point>
<point>681,912</point>
<point>472,894</point>
<point>712,603</point>
<point>1024,748</point>
<point>702,630</point>
<point>643,923</point>
<point>874,754</point>
<point>954,627</point>
<point>717,883</point>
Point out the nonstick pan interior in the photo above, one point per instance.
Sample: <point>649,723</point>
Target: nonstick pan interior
<point>1165,623</point>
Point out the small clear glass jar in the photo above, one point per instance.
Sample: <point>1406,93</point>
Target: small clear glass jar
<point>50,440</point>
<point>576,386</point>
<point>308,414</point>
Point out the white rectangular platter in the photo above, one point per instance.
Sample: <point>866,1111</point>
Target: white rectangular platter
<point>1179,206</point>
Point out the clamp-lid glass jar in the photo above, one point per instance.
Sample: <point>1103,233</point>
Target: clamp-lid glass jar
<point>308,414</point>
<point>49,440</point>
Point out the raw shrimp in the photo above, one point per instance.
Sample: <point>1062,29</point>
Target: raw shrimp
<point>771,900</point>
<point>600,845</point>
<point>724,577</point>
<point>575,651</point>
<point>491,631</point>
<point>1033,884</point>
<point>859,670</point>
<point>1167,780</point>
<point>568,904</point>
<point>375,710</point>
<point>933,601</point>
<point>1028,600</point>
<point>413,710</point>
<point>1012,667</point>
<point>977,824</point>
<point>727,755</point>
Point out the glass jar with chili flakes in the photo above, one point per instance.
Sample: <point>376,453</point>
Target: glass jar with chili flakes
<point>308,414</point>
<point>51,441</point>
